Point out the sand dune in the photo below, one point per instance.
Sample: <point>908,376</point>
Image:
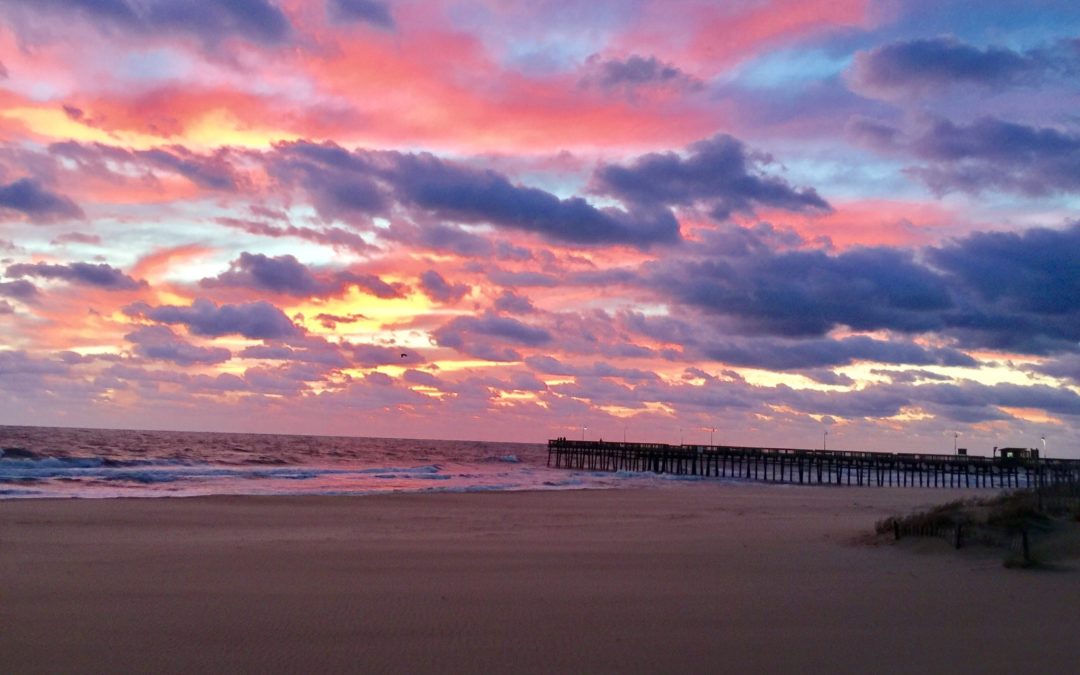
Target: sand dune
<point>697,578</point>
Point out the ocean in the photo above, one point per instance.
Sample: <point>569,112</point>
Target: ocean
<point>50,462</point>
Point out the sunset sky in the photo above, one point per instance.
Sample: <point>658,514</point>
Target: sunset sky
<point>512,220</point>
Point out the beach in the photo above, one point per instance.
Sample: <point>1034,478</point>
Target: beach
<point>687,578</point>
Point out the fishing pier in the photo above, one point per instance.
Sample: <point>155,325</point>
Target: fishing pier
<point>824,467</point>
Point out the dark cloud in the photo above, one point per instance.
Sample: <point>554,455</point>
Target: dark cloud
<point>1010,291</point>
<point>1017,290</point>
<point>86,274</point>
<point>635,72</point>
<point>809,354</point>
<point>287,275</point>
<point>19,290</point>
<point>512,303</point>
<point>919,66</point>
<point>368,11</point>
<point>1066,367</point>
<point>344,183</point>
<point>480,336</point>
<point>987,154</point>
<point>208,20</point>
<point>472,195</point>
<point>161,343</point>
<point>719,174</point>
<point>255,320</point>
<point>992,154</point>
<point>809,293</point>
<point>27,196</point>
<point>440,290</point>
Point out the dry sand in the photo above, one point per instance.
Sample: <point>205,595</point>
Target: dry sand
<point>697,578</point>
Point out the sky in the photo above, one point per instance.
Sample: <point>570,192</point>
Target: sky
<point>788,223</point>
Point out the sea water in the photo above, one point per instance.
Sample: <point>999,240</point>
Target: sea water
<point>68,462</point>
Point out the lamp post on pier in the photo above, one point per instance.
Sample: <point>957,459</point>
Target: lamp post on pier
<point>712,430</point>
<point>583,430</point>
<point>824,440</point>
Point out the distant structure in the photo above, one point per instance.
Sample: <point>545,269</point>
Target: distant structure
<point>1016,453</point>
<point>1008,468</point>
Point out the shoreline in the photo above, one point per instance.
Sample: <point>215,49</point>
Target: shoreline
<point>698,578</point>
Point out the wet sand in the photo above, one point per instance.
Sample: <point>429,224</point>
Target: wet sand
<point>695,578</point>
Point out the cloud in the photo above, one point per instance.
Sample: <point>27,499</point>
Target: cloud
<point>719,174</point>
<point>86,274</point>
<point>549,365</point>
<point>27,196</point>
<point>822,353</point>
<point>368,11</point>
<point>512,303</point>
<point>1016,290</point>
<point>19,290</point>
<point>808,293</point>
<point>255,320</point>
<point>920,66</point>
<point>985,155</point>
<point>211,171</point>
<point>480,336</point>
<point>287,275</point>
<point>18,362</point>
<point>159,342</point>
<point>636,72</point>
<point>440,290</point>
<point>311,350</point>
<point>361,183</point>
<point>208,20</point>
<point>76,238</point>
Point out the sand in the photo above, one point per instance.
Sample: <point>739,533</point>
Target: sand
<point>697,578</point>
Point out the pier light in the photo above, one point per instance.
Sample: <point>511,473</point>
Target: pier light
<point>712,431</point>
<point>824,440</point>
<point>583,430</point>
<point>1043,439</point>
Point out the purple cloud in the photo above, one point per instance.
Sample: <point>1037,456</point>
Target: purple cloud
<point>343,182</point>
<point>86,274</point>
<point>367,11</point>
<point>211,21</point>
<point>919,66</point>
<point>440,290</point>
<point>27,196</point>
<point>636,72</point>
<point>255,320</point>
<point>287,275</point>
<point>19,290</point>
<point>719,174</point>
<point>159,342</point>
<point>480,336</point>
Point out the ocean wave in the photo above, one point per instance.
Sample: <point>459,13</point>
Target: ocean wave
<point>505,459</point>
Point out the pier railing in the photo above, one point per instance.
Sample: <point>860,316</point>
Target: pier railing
<point>803,466</point>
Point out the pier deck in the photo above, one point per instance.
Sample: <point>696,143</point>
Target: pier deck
<point>801,466</point>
